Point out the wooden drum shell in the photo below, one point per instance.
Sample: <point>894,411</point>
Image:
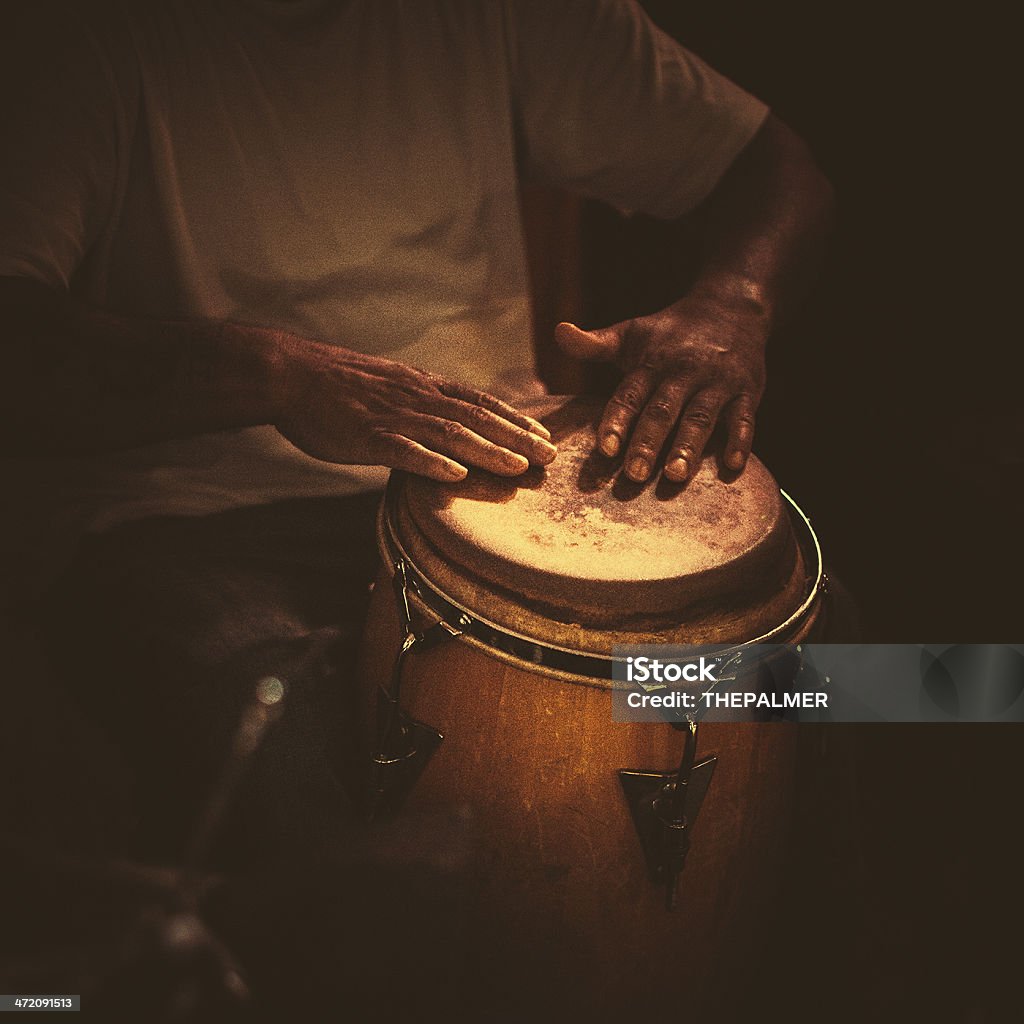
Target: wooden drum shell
<point>557,876</point>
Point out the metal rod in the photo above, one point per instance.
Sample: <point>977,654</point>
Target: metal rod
<point>263,709</point>
<point>685,769</point>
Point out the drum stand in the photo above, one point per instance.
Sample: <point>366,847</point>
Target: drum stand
<point>163,962</point>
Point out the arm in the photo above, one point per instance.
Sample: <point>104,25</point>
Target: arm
<point>701,361</point>
<point>77,380</point>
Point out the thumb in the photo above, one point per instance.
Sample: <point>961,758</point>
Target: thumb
<point>603,345</point>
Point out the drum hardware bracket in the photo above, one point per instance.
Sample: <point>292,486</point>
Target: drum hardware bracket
<point>404,745</point>
<point>664,807</point>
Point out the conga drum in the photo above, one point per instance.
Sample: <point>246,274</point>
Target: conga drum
<point>487,670</point>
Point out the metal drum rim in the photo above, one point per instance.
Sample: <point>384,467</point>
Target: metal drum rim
<point>551,659</point>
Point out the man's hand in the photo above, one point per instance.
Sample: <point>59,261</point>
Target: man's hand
<point>691,366</point>
<point>82,381</point>
<point>345,407</point>
<point>701,361</point>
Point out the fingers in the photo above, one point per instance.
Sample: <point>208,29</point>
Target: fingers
<point>476,429</point>
<point>739,421</point>
<point>659,416</point>
<point>623,408</point>
<point>400,452</point>
<point>482,399</point>
<point>461,445</point>
<point>537,450</point>
<point>460,427</point>
<point>695,429</point>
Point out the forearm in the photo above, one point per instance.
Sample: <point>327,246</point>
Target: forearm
<point>767,223</point>
<point>78,380</point>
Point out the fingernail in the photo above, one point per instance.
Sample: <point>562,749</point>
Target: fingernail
<point>639,469</point>
<point>519,462</point>
<point>610,444</point>
<point>677,469</point>
<point>457,472</point>
<point>536,427</point>
<point>549,450</point>
<point>735,460</point>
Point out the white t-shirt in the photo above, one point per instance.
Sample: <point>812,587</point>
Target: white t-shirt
<point>343,169</point>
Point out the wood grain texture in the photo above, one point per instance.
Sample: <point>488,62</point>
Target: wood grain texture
<point>556,877</point>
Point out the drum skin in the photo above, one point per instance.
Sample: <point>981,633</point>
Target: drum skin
<point>566,915</point>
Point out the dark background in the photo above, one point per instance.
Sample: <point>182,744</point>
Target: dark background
<point>893,416</point>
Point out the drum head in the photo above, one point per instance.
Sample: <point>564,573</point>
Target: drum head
<point>575,554</point>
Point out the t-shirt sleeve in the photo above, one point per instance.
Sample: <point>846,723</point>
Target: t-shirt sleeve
<point>58,133</point>
<point>611,107</point>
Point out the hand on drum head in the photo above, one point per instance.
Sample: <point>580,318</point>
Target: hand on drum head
<point>345,407</point>
<point>687,368</point>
